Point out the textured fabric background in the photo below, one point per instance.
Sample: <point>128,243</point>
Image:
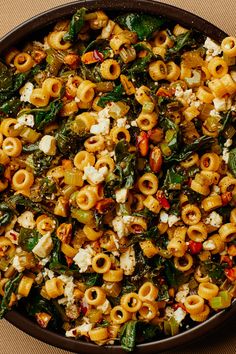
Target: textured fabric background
<point>222,14</point>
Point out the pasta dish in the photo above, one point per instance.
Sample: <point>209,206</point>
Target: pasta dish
<point>118,178</point>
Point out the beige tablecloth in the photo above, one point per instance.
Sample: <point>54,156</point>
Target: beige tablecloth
<point>222,14</point>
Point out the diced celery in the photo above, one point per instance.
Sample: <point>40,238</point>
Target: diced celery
<point>148,107</point>
<point>83,216</point>
<point>73,178</point>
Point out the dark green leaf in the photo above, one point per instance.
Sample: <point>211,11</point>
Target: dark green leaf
<point>143,24</point>
<point>11,106</point>
<point>46,115</point>
<point>92,279</point>
<point>113,96</point>
<point>6,214</point>
<point>128,335</point>
<point>173,276</point>
<point>68,141</point>
<point>75,26</point>
<point>173,178</point>
<point>140,65</point>
<point>19,200</point>
<point>37,304</point>
<point>39,162</point>
<point>28,238</point>
<point>232,161</point>
<point>200,144</point>
<point>10,287</point>
<point>214,270</point>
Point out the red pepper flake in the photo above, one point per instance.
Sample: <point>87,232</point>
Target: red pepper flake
<point>194,247</point>
<point>226,198</point>
<point>143,143</point>
<point>230,273</point>
<point>227,260</point>
<point>98,56</point>
<point>163,200</point>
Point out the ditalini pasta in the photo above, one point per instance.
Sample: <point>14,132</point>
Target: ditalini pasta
<point>118,178</point>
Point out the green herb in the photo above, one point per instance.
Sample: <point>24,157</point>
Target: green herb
<point>10,82</point>
<point>47,187</point>
<point>128,335</point>
<point>11,106</point>
<point>128,287</point>
<point>44,116</point>
<point>104,324</point>
<point>75,26</point>
<point>92,279</point>
<point>113,96</point>
<point>163,294</point>
<point>199,144</point>
<point>30,147</point>
<point>39,162</point>
<point>173,179</point>
<point>68,141</point>
<point>6,214</point>
<point>19,200</point>
<point>232,161</point>
<point>140,65</point>
<point>28,238</point>
<point>173,276</point>
<point>214,270</point>
<point>189,40</point>
<point>143,24</point>
<point>171,327</point>
<point>10,287</point>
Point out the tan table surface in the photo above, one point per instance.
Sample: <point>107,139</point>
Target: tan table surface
<point>222,14</point>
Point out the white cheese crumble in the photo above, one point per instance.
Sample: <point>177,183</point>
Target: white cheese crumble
<point>214,219</point>
<point>83,259</point>
<point>105,307</point>
<point>120,227</point>
<point>121,195</point>
<point>81,330</point>
<point>188,95</point>
<point>25,119</point>
<point>26,220</point>
<point>13,236</point>
<point>26,92</point>
<point>127,261</point>
<point>134,123</point>
<point>48,273</point>
<point>209,245</point>
<point>182,293</point>
<point>216,189</point>
<point>44,261</point>
<point>213,49</point>
<point>164,217</point>
<point>173,219</point>
<point>68,289</point>
<point>225,152</point>
<point>93,175</point>
<point>16,264</point>
<point>48,145</point>
<point>44,246</point>
<point>179,315</point>
<point>103,127</point>
<point>104,113</point>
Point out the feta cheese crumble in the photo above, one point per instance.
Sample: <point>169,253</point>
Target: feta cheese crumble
<point>182,293</point>
<point>26,220</point>
<point>93,175</point>
<point>120,227</point>
<point>213,49</point>
<point>103,127</point>
<point>214,219</point>
<point>48,145</point>
<point>16,264</point>
<point>127,261</point>
<point>26,92</point>
<point>81,330</point>
<point>44,246</point>
<point>25,119</point>
<point>121,195</point>
<point>83,259</point>
<point>225,152</point>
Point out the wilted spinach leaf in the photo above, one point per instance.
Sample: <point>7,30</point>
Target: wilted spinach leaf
<point>10,287</point>
<point>75,26</point>
<point>143,24</point>
<point>232,161</point>
<point>6,214</point>
<point>113,96</point>
<point>46,115</point>
<point>28,238</point>
<point>199,144</point>
<point>173,276</point>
